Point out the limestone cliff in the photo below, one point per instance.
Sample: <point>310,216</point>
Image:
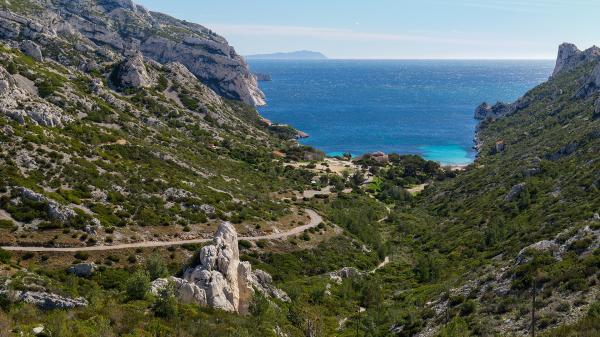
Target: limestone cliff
<point>570,57</point>
<point>90,33</point>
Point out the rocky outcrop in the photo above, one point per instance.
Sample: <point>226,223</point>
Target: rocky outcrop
<point>220,280</point>
<point>45,300</point>
<point>55,210</point>
<point>591,84</point>
<point>82,269</point>
<point>132,73</point>
<point>500,109</point>
<point>563,243</point>
<point>345,273</point>
<point>515,191</point>
<point>20,105</point>
<point>563,151</point>
<point>110,29</point>
<point>32,49</point>
<point>570,57</point>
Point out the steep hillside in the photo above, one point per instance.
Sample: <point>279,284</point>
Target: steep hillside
<point>524,216</point>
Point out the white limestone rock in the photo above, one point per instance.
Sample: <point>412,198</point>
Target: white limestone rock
<point>32,49</point>
<point>221,281</point>
<point>132,73</point>
<point>83,269</point>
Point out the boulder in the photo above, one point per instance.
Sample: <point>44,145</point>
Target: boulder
<point>32,49</point>
<point>82,269</point>
<point>515,191</point>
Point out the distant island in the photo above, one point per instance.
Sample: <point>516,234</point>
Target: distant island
<point>296,55</point>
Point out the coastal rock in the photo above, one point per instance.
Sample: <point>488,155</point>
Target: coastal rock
<point>132,73</point>
<point>515,191</point>
<point>570,57</point>
<point>82,269</point>
<point>499,109</point>
<point>220,280</point>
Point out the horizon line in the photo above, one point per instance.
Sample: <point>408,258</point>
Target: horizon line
<point>404,59</point>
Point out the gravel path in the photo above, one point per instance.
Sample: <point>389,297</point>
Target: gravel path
<point>315,220</point>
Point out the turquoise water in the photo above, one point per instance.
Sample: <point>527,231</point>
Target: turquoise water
<point>417,107</point>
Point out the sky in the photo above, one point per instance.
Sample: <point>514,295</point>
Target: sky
<point>396,29</point>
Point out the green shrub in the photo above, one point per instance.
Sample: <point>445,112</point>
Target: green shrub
<point>6,224</point>
<point>81,256</point>
<point>5,256</point>
<point>138,285</point>
<point>244,244</point>
<point>166,302</point>
<point>156,267</point>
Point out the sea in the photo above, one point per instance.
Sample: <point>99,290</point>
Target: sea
<point>420,107</point>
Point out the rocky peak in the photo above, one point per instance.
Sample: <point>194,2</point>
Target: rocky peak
<point>570,57</point>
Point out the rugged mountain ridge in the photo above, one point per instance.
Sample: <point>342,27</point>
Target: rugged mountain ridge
<point>81,32</point>
<point>569,58</point>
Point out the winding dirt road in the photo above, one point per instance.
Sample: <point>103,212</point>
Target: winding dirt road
<point>315,220</point>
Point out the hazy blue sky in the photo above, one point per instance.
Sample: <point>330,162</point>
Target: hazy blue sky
<point>396,28</point>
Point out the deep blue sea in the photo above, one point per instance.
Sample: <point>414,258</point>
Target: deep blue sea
<point>421,107</point>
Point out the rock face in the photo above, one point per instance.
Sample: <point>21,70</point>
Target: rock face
<point>570,57</point>
<point>32,49</point>
<point>132,73</point>
<point>110,29</point>
<point>591,84</point>
<point>220,280</point>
